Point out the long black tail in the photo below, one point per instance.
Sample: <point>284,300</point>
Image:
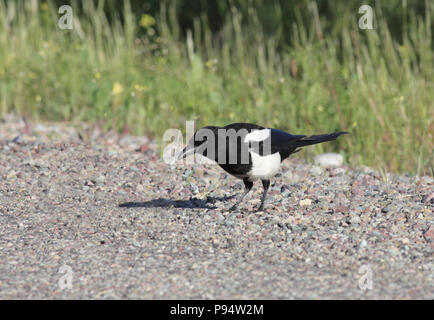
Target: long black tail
<point>307,141</point>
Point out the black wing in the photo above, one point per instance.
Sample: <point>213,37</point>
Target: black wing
<point>276,140</point>
<point>240,125</point>
<point>279,138</point>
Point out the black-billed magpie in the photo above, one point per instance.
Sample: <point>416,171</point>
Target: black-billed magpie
<point>248,151</point>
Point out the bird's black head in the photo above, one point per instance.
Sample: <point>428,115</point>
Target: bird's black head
<point>203,142</point>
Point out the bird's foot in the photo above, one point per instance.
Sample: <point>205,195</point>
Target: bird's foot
<point>260,209</point>
<point>233,208</point>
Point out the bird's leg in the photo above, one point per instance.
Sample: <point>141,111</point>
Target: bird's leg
<point>248,184</point>
<point>266,185</point>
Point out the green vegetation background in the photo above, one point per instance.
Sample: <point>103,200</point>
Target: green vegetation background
<point>301,66</point>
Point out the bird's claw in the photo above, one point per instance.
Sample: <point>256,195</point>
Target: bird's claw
<point>232,208</point>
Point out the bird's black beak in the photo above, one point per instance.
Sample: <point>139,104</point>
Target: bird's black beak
<point>188,150</point>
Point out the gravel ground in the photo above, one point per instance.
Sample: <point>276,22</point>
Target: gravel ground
<point>130,226</point>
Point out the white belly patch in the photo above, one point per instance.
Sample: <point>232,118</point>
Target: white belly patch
<point>264,167</point>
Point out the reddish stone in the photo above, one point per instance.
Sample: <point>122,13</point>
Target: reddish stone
<point>340,195</point>
<point>428,197</point>
<point>341,209</point>
<point>368,180</point>
<point>144,147</point>
<point>429,234</point>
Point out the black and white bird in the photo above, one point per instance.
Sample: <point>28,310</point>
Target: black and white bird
<point>249,151</point>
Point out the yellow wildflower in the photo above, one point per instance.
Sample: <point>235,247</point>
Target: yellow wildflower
<point>117,88</point>
<point>147,21</point>
<point>139,87</point>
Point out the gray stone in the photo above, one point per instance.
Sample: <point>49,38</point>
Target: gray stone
<point>329,160</point>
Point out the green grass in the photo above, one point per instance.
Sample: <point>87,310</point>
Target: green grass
<point>146,76</point>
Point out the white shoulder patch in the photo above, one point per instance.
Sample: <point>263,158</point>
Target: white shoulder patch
<point>257,135</point>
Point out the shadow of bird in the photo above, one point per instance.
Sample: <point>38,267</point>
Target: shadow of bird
<point>166,203</point>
